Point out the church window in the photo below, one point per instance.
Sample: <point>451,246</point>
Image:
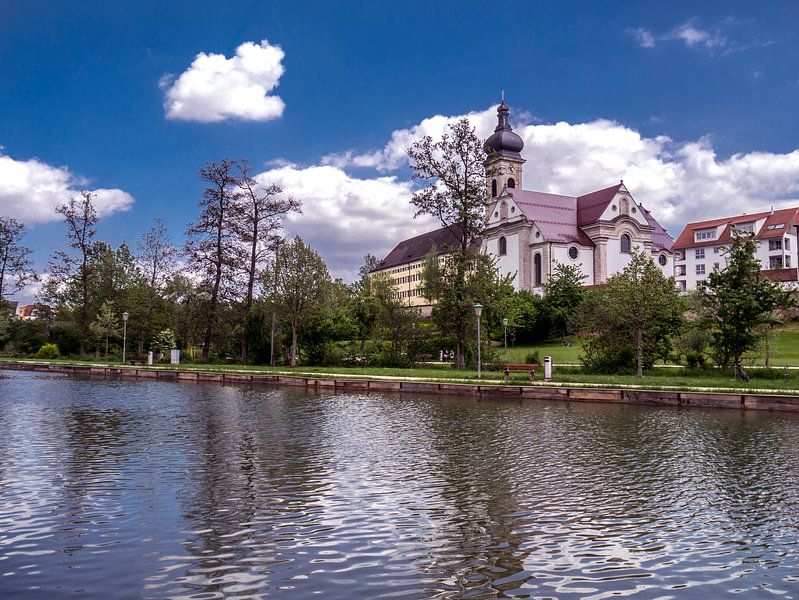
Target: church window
<point>503,246</point>
<point>573,253</point>
<point>512,209</point>
<point>625,205</point>
<point>614,208</point>
<point>537,274</point>
<point>511,183</point>
<point>494,188</point>
<point>633,210</point>
<point>538,234</point>
<point>662,260</point>
<point>625,243</point>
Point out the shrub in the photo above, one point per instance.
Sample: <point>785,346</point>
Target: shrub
<point>532,358</point>
<point>48,351</point>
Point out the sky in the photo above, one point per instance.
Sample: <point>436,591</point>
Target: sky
<point>693,105</point>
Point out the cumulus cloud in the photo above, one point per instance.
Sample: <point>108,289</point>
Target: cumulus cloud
<point>345,217</point>
<point>679,182</point>
<point>30,189</point>
<point>643,37</point>
<point>215,88</point>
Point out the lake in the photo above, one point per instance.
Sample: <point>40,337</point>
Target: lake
<point>145,489</point>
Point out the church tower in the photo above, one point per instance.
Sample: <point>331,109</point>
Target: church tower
<point>504,163</point>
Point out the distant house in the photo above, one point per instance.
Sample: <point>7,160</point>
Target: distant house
<point>699,249</point>
<point>29,312</point>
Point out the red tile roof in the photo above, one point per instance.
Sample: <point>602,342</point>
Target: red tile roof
<point>788,216</point>
<point>781,274</point>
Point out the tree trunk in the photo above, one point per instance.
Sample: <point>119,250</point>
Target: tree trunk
<point>293,356</point>
<point>106,346</point>
<point>639,367</point>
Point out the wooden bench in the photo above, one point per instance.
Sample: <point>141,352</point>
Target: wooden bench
<point>520,368</point>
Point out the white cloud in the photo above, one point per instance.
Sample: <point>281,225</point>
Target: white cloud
<point>643,37</point>
<point>678,182</point>
<point>30,189</point>
<point>345,217</point>
<point>215,88</point>
<point>692,35</point>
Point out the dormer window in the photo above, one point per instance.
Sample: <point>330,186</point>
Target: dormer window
<point>745,228</point>
<point>774,226</point>
<point>705,234</point>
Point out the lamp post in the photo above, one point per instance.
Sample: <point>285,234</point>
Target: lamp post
<point>124,334</point>
<point>505,326</point>
<point>478,310</point>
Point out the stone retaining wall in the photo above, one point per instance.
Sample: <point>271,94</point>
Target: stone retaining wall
<point>743,400</point>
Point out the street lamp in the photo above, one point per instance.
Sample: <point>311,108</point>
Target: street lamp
<point>478,310</point>
<point>505,325</point>
<point>124,334</point>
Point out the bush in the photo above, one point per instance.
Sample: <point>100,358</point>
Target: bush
<point>532,358</point>
<point>48,351</point>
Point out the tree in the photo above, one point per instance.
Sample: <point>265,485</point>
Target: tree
<point>69,270</point>
<point>297,283</point>
<point>630,320</point>
<point>563,294</point>
<point>737,300</point>
<point>16,269</point>
<point>257,222</point>
<point>455,297</point>
<point>106,325</point>
<point>454,172</point>
<point>157,258</point>
<point>211,246</point>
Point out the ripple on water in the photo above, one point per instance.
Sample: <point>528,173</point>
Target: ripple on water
<point>113,489</point>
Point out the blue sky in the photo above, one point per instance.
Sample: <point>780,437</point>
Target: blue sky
<point>693,104</point>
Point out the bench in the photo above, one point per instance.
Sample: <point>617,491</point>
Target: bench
<point>520,368</point>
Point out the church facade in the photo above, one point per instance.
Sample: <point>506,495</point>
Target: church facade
<point>530,232</point>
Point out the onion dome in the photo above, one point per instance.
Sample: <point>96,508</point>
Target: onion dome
<point>503,142</point>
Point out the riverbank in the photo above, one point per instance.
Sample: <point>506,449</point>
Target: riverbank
<point>751,398</point>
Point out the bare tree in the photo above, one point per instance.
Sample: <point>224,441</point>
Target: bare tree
<point>16,269</point>
<point>158,260</point>
<point>258,224</point>
<point>211,245</point>
<point>69,270</point>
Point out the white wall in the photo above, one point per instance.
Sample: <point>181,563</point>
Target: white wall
<point>584,260</point>
<point>509,263</point>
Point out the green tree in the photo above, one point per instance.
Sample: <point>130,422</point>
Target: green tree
<point>157,259</point>
<point>16,269</point>
<point>71,273</point>
<point>297,283</point>
<point>453,171</point>
<point>739,299</point>
<point>629,322</point>
<point>106,325</point>
<point>563,294</point>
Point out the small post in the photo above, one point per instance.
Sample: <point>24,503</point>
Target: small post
<point>547,368</point>
<point>478,309</point>
<point>505,326</point>
<point>124,334</point>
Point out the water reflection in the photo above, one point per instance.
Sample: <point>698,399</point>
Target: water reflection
<point>160,490</point>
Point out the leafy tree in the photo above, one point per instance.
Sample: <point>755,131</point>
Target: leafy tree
<point>16,269</point>
<point>297,283</point>
<point>257,222</point>
<point>738,299</point>
<point>453,171</point>
<point>157,259</point>
<point>73,272</point>
<point>106,325</point>
<point>212,246</point>
<point>563,294</point>
<point>455,295</point>
<point>630,320</point>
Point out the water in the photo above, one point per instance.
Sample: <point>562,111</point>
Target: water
<point>117,489</point>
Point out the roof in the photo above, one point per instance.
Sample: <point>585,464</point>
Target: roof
<point>416,248</point>
<point>661,240</point>
<point>788,216</point>
<point>555,215</point>
<point>781,274</point>
<point>591,206</point>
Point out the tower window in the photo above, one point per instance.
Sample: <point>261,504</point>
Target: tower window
<point>503,246</point>
<point>511,183</point>
<point>625,243</point>
<point>493,188</point>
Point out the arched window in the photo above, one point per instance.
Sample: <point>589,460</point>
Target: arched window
<point>511,183</point>
<point>625,206</point>
<point>494,188</point>
<point>503,246</point>
<point>625,243</point>
<point>537,274</point>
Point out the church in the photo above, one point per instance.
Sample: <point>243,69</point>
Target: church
<point>530,232</point>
